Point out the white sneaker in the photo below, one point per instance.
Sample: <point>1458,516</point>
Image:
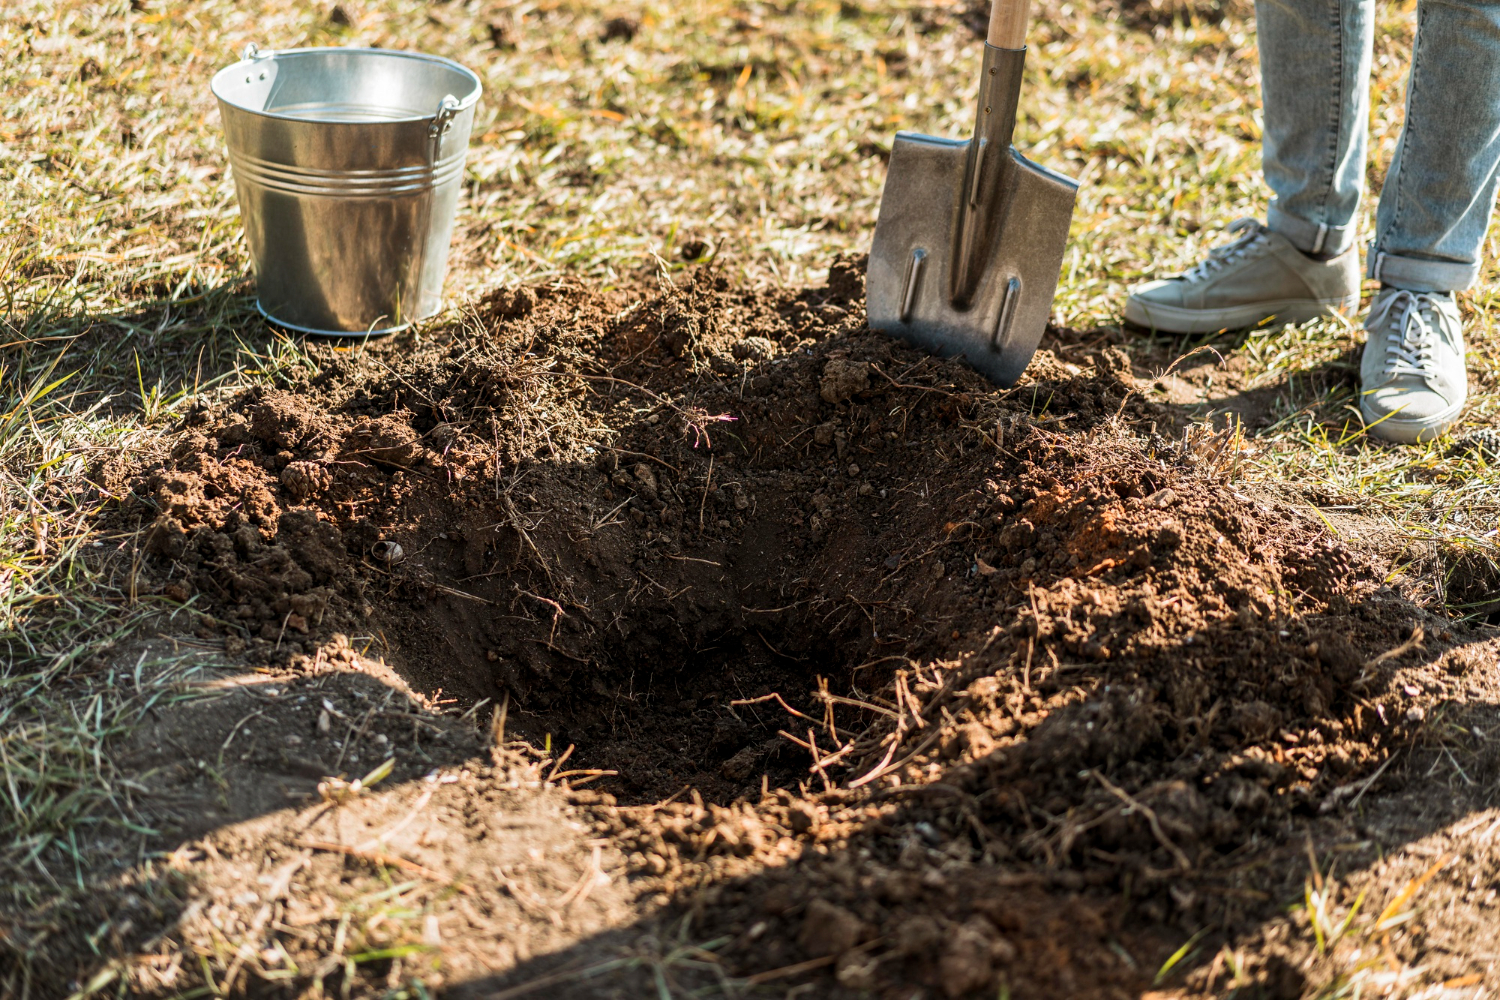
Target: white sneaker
<point>1411,376</point>
<point>1258,277</point>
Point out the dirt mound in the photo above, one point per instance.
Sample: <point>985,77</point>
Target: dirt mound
<point>954,686</point>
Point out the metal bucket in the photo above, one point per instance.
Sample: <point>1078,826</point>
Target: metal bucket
<point>348,164</point>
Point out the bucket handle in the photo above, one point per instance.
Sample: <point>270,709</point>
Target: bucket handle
<point>448,108</point>
<point>252,52</point>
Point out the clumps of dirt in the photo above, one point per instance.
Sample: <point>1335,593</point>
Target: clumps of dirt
<point>1119,727</point>
<point>902,680</point>
<point>269,585</point>
<point>700,319</point>
<point>509,303</point>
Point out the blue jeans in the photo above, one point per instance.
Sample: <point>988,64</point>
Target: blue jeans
<point>1436,202</point>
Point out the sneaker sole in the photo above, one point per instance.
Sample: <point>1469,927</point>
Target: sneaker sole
<point>1175,319</point>
<point>1393,428</point>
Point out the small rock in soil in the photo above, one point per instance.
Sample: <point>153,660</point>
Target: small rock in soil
<point>829,929</point>
<point>753,349</point>
<point>968,961</point>
<point>842,379</point>
<point>918,936</point>
<point>646,479</point>
<point>510,303</point>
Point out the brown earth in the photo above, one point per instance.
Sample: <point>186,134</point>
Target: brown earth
<point>872,679</point>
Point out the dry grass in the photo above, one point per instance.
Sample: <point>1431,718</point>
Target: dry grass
<point>754,128</point>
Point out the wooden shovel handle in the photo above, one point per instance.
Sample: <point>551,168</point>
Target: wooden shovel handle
<point>1008,21</point>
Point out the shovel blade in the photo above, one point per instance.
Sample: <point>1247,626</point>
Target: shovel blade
<point>910,282</point>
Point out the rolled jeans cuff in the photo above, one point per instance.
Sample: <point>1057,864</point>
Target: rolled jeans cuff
<point>1417,275</point>
<point>1310,237</point>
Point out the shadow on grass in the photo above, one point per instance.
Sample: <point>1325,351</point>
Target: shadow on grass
<point>212,760</point>
<point>1213,379</point>
<point>147,359</point>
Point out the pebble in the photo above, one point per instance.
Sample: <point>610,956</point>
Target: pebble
<point>753,349</point>
<point>843,379</point>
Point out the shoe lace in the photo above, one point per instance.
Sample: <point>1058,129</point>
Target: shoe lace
<point>1252,234</point>
<point>1414,352</point>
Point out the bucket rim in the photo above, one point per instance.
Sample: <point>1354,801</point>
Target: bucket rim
<point>318,331</point>
<point>465,101</point>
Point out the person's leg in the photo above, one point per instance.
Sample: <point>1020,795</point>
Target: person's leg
<point>1315,67</point>
<point>1315,87</point>
<point>1436,203</point>
<point>1434,212</point>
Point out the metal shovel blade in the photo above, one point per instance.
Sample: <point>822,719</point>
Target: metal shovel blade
<point>913,271</point>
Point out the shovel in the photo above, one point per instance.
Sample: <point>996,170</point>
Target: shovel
<point>971,234</point>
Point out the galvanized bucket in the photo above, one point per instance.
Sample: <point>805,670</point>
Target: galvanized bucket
<point>348,165</point>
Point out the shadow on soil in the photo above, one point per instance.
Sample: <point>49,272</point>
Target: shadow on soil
<point>1095,700</point>
<point>938,890</point>
<point>205,765</point>
<point>1026,864</point>
<point>960,885</point>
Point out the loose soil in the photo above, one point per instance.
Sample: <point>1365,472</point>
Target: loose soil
<point>720,643</point>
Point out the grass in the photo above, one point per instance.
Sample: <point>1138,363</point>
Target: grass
<point>659,957</point>
<point>755,128</point>
<point>1359,948</point>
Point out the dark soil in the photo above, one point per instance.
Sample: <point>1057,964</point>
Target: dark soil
<point>879,678</point>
